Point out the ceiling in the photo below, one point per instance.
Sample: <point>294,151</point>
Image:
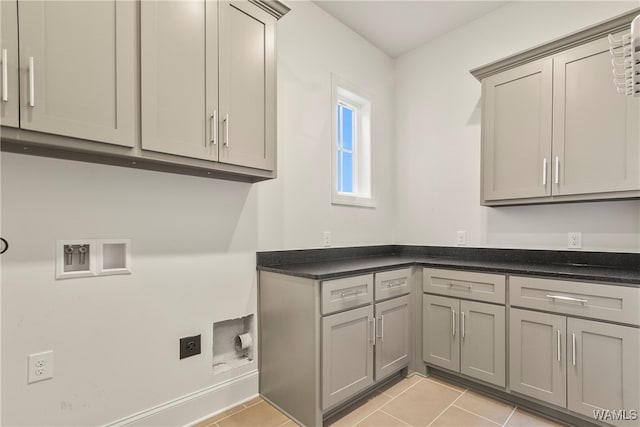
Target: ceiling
<point>396,27</point>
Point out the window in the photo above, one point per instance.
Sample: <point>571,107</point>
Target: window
<point>351,145</point>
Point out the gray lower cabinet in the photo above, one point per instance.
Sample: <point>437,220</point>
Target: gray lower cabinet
<point>393,335</point>
<point>583,365</point>
<point>347,354</point>
<point>465,336</point>
<point>537,355</point>
<point>78,69</point>
<point>323,342</point>
<point>9,104</point>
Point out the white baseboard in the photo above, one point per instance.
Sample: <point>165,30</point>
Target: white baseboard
<point>196,406</point>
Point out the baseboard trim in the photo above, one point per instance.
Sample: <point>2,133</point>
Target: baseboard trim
<point>197,406</point>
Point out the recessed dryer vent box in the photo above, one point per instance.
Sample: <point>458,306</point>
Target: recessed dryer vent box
<point>233,344</point>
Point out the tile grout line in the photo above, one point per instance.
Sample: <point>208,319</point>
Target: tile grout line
<point>391,398</point>
<point>395,418</point>
<point>510,415</point>
<point>445,409</point>
<point>477,415</point>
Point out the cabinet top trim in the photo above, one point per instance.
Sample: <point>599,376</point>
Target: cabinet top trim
<point>618,23</point>
<point>273,7</point>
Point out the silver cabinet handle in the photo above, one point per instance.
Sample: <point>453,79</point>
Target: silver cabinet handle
<point>544,171</point>
<point>349,294</point>
<point>460,285</point>
<point>453,323</point>
<point>32,89</point>
<point>573,347</point>
<point>381,327</point>
<point>557,179</point>
<point>226,130</point>
<point>214,127</point>
<point>371,330</point>
<point>463,324</point>
<point>5,84</point>
<point>558,345</point>
<point>394,284</point>
<point>563,298</point>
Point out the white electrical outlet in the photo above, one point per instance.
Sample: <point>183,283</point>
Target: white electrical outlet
<point>461,238</point>
<point>40,366</point>
<point>326,239</point>
<point>575,240</point>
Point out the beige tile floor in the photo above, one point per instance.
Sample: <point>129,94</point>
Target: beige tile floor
<point>413,401</point>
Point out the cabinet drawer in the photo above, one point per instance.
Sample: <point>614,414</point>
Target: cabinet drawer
<point>342,294</point>
<point>606,302</point>
<point>393,283</point>
<point>464,284</point>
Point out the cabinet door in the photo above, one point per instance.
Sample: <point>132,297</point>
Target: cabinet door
<point>78,69</point>
<point>596,131</point>
<point>247,85</point>
<point>440,342</point>
<point>482,341</point>
<point>9,103</point>
<point>536,357</point>
<point>179,66</point>
<point>603,370</point>
<point>516,140</point>
<point>392,335</point>
<point>347,354</point>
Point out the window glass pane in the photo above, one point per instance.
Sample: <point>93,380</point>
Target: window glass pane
<point>347,128</point>
<point>347,173</point>
<point>339,127</point>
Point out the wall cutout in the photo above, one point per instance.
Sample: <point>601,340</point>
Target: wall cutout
<point>232,344</point>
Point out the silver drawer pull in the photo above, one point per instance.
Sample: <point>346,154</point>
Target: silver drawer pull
<point>558,348</point>
<point>563,298</point>
<point>460,285</point>
<point>348,294</point>
<point>5,84</point>
<point>395,284</point>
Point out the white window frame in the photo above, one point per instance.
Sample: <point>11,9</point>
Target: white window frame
<point>360,102</point>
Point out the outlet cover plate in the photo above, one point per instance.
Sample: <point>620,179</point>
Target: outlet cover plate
<point>574,240</point>
<point>189,346</point>
<point>40,366</point>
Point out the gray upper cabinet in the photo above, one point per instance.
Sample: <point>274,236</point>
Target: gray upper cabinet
<point>179,82</point>
<point>516,150</point>
<point>247,86</point>
<point>78,69</point>
<point>554,127</point>
<point>9,92</point>
<point>596,131</point>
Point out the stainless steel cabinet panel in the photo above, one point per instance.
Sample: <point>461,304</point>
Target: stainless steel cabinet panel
<point>343,294</point>
<point>516,132</point>
<point>247,86</point>
<point>179,67</point>
<point>393,339</point>
<point>482,342</point>
<point>78,69</point>
<point>596,131</point>
<point>9,90</point>
<point>441,340</point>
<point>391,284</point>
<point>602,367</point>
<point>347,354</point>
<point>606,302</point>
<point>465,284</point>
<point>537,356</point>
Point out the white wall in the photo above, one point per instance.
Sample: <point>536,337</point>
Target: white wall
<point>438,139</point>
<point>115,339</point>
<point>296,208</point>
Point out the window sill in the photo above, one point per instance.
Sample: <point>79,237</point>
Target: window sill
<point>361,202</point>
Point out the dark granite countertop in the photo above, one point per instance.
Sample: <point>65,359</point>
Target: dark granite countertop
<point>322,264</point>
